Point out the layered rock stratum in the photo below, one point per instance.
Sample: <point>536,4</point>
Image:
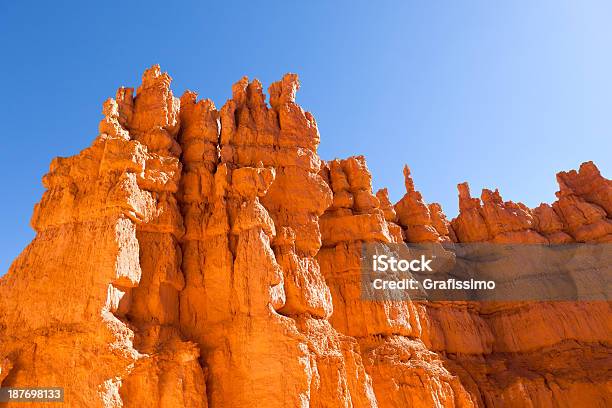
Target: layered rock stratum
<point>195,257</point>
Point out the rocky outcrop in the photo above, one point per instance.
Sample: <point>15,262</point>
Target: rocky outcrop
<point>197,257</point>
<point>92,304</point>
<point>404,372</point>
<point>580,214</point>
<point>420,222</point>
<point>557,340</point>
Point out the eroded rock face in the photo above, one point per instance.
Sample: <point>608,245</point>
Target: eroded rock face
<point>93,303</point>
<point>197,257</point>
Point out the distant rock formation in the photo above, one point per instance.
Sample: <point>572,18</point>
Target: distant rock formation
<point>580,214</point>
<point>196,257</point>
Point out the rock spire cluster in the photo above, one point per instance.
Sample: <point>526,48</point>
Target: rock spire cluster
<point>203,257</point>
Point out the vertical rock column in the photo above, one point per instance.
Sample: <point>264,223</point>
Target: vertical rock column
<point>91,304</point>
<point>296,199</point>
<point>254,297</point>
<point>173,377</point>
<point>233,282</point>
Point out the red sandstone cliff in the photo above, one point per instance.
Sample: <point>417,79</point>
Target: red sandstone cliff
<point>197,257</point>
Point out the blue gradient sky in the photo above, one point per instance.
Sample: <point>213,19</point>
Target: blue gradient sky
<point>501,94</point>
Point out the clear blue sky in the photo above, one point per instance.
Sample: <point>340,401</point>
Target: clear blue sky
<point>498,93</point>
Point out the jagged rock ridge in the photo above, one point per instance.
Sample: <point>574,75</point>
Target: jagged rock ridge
<point>200,257</point>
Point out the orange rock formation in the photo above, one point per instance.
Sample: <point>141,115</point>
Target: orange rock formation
<point>197,257</point>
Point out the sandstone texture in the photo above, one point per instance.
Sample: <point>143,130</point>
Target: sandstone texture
<point>203,257</point>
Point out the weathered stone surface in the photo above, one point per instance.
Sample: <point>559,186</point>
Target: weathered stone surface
<point>195,257</point>
<point>415,217</point>
<point>92,303</point>
<point>580,214</point>
<point>255,299</point>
